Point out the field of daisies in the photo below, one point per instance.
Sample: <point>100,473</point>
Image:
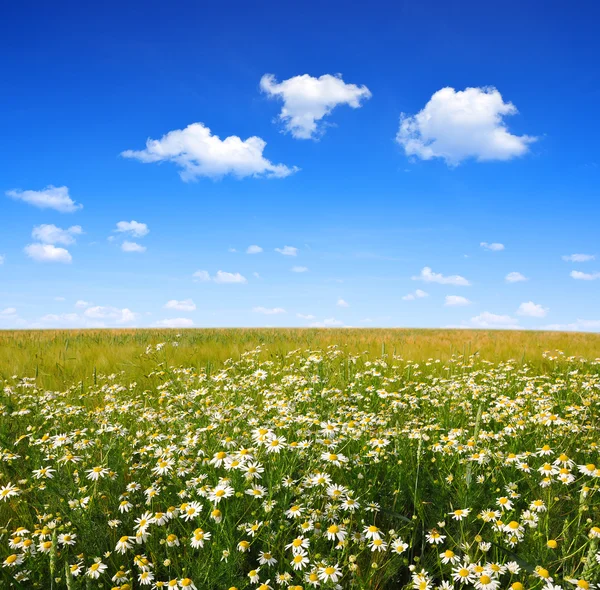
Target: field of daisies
<point>315,469</point>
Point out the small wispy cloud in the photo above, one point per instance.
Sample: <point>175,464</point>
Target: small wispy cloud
<point>342,303</point>
<point>579,257</point>
<point>51,197</point>
<point>418,294</point>
<point>48,253</point>
<point>299,269</point>
<point>585,276</point>
<point>515,277</point>
<point>254,249</point>
<point>492,320</point>
<point>456,300</point>
<point>132,247</point>
<point>175,323</point>
<point>533,310</point>
<point>287,251</point>
<point>133,228</point>
<point>428,276</point>
<point>494,247</point>
<point>183,305</point>
<point>268,310</point>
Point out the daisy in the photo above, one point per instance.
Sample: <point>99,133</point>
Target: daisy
<point>95,570</point>
<point>300,560</point>
<point>329,573</point>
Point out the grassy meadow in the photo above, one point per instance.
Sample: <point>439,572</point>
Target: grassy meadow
<point>299,459</point>
<point>61,357</point>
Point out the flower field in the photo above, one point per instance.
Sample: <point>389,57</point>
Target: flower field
<point>314,468</point>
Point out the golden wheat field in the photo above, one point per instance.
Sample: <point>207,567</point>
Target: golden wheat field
<point>299,459</point>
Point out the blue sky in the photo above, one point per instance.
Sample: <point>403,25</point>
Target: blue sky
<point>390,143</point>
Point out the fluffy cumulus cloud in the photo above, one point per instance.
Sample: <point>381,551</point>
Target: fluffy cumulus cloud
<point>184,305</point>
<point>48,253</point>
<point>197,152</point>
<point>492,320</point>
<point>342,303</point>
<point>532,310</point>
<point>287,251</point>
<point>428,276</point>
<point>175,323</point>
<point>457,125</point>
<point>51,197</point>
<point>418,294</point>
<point>579,257</point>
<point>134,228</point>
<point>50,234</point>
<point>254,249</point>
<point>515,277</point>
<point>307,100</point>
<point>585,276</point>
<point>268,310</point>
<point>494,247</point>
<point>132,247</point>
<point>456,300</point>
<point>119,316</point>
<point>81,304</point>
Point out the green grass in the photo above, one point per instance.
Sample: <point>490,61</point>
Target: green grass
<point>413,425</point>
<point>62,357</point>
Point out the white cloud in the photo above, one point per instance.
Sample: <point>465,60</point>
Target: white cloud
<point>494,247</point>
<point>132,247</point>
<point>134,228</point>
<point>80,304</point>
<point>8,311</point>
<point>584,276</point>
<point>287,251</point>
<point>327,323</point>
<point>229,277</point>
<point>533,310</point>
<point>452,300</point>
<point>305,316</point>
<point>515,277</point>
<point>579,257</point>
<point>460,125</point>
<point>48,253</point>
<point>51,197</point>
<point>492,320</point>
<point>175,323</point>
<point>201,276</point>
<point>184,305</point>
<point>254,249</point>
<point>342,303</point>
<point>306,100</point>
<point>50,234</point>
<point>577,326</point>
<point>299,269</point>
<point>429,276</point>
<point>1,259</point>
<point>59,299</point>
<point>197,152</point>
<point>418,294</point>
<point>268,310</point>
<point>120,316</point>
<point>63,318</point>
